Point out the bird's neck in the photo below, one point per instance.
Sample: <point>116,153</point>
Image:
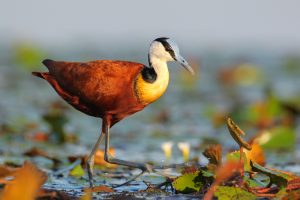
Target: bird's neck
<point>160,68</point>
<point>153,81</point>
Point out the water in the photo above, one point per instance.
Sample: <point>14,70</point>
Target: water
<point>179,116</point>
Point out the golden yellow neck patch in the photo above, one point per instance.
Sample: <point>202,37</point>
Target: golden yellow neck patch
<point>149,92</point>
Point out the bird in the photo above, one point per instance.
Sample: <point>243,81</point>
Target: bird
<point>113,90</point>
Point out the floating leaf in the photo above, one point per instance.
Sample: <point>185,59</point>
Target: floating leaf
<point>99,158</point>
<point>102,188</point>
<point>276,176</point>
<point>214,154</point>
<point>28,56</point>
<point>48,194</point>
<point>256,154</point>
<point>40,137</point>
<point>229,193</point>
<point>224,172</point>
<point>77,171</point>
<point>26,183</point>
<point>187,184</point>
<point>256,180</point>
<point>192,182</point>
<point>6,171</point>
<point>33,152</point>
<point>56,118</point>
<point>87,194</point>
<point>293,184</point>
<point>265,191</point>
<point>293,195</point>
<point>292,64</point>
<point>280,137</point>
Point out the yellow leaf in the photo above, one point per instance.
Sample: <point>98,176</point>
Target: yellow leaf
<point>77,171</point>
<point>99,158</point>
<point>87,194</point>
<point>25,185</point>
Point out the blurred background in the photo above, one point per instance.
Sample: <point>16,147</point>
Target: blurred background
<point>246,54</point>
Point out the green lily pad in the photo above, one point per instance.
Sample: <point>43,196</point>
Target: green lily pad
<point>77,171</point>
<point>280,137</point>
<point>228,193</point>
<point>28,56</point>
<point>192,182</point>
<point>276,176</point>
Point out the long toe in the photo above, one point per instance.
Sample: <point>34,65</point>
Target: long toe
<point>147,168</point>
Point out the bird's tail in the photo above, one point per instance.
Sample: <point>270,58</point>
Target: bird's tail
<point>40,74</point>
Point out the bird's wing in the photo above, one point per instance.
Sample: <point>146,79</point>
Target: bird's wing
<point>96,82</point>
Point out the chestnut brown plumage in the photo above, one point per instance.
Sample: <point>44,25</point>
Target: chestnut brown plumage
<point>112,90</point>
<point>101,88</point>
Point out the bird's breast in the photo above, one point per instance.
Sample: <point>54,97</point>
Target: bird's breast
<point>147,92</point>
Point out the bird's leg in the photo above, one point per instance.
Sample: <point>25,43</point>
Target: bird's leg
<point>90,160</point>
<point>143,166</point>
<point>108,158</point>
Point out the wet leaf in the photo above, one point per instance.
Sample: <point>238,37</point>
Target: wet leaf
<point>40,137</point>
<point>6,171</point>
<point>256,154</point>
<point>255,181</point>
<point>293,184</point>
<point>186,183</point>
<point>224,172</point>
<point>99,158</point>
<point>265,191</point>
<point>280,137</point>
<point>102,188</point>
<point>189,169</point>
<point>33,152</point>
<point>214,154</point>
<point>28,56</point>
<point>26,183</point>
<point>293,195</point>
<point>292,64</point>
<point>45,194</point>
<point>77,171</point>
<point>192,182</point>
<point>87,194</point>
<point>229,193</point>
<point>56,119</point>
<point>276,176</point>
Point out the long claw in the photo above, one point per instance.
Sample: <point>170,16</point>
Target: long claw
<point>130,180</point>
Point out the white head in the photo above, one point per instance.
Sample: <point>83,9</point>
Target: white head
<point>166,50</point>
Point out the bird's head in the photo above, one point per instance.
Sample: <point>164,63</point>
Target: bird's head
<point>166,50</point>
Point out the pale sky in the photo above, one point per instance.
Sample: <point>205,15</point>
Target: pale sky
<point>195,22</point>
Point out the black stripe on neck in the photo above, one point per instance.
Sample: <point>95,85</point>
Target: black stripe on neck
<point>149,75</point>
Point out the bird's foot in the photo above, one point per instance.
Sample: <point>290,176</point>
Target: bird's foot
<point>145,167</point>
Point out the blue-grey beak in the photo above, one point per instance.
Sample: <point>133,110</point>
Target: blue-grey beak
<point>185,64</point>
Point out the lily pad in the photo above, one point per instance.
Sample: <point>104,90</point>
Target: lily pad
<point>192,182</point>
<point>280,137</point>
<point>77,171</point>
<point>228,193</point>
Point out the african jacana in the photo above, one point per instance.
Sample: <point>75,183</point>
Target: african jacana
<point>113,90</point>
